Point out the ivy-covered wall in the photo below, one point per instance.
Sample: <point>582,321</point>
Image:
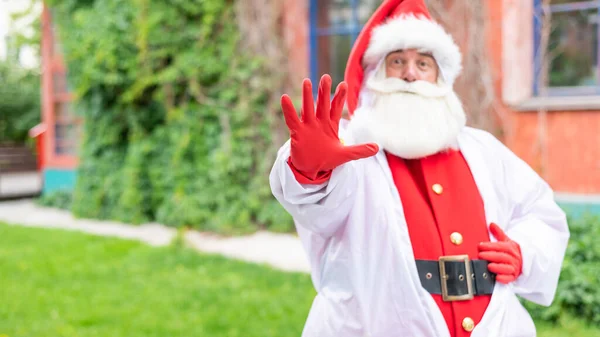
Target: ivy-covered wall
<point>176,122</point>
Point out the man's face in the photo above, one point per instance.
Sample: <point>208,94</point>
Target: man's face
<point>406,110</point>
<point>411,65</point>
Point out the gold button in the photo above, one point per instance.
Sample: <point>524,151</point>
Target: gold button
<point>456,238</point>
<point>342,141</point>
<point>437,188</point>
<point>468,324</point>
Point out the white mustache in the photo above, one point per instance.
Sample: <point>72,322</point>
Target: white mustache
<point>392,85</point>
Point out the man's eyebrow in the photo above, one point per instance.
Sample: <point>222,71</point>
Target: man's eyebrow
<point>396,52</point>
<point>426,54</point>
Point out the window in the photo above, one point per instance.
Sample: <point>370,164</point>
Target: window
<point>572,48</point>
<point>334,26</point>
<point>66,129</point>
<point>64,124</point>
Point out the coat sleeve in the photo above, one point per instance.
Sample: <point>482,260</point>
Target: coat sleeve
<point>322,209</point>
<point>537,224</point>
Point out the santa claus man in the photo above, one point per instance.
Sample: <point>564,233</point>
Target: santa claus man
<point>414,224</point>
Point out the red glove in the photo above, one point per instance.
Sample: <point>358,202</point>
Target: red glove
<point>504,256</point>
<point>315,146</point>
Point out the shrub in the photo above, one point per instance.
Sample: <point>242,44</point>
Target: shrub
<point>19,102</point>
<point>175,127</point>
<point>578,292</point>
<point>58,199</point>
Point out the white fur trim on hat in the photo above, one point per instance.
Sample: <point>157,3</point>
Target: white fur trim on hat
<point>407,32</point>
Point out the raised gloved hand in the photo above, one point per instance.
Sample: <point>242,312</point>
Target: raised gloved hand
<point>315,146</point>
<point>504,256</point>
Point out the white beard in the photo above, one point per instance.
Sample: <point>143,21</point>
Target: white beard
<point>409,120</point>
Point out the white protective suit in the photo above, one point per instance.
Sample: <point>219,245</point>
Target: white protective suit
<point>362,264</point>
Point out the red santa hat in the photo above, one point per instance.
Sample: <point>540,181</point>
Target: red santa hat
<point>395,25</point>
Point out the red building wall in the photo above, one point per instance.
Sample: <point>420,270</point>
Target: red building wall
<point>571,162</point>
<point>296,37</point>
<point>565,149</point>
<point>59,138</point>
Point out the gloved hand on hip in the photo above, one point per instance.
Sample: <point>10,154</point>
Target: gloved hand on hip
<point>504,256</point>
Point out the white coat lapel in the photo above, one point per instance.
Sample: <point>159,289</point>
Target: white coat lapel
<point>476,160</point>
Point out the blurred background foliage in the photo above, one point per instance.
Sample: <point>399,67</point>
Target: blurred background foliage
<point>176,127</point>
<point>578,293</point>
<point>19,102</point>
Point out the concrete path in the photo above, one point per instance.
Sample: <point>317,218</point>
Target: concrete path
<point>282,251</point>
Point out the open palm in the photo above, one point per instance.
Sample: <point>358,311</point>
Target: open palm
<point>315,144</point>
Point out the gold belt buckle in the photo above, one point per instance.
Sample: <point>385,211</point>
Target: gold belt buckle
<point>444,278</point>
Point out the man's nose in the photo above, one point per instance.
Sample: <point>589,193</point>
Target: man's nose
<point>410,74</point>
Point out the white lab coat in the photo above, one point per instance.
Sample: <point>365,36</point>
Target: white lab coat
<point>362,265</point>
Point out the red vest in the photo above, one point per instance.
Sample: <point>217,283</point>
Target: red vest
<point>439,197</point>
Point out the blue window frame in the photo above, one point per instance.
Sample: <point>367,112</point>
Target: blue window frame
<point>573,48</point>
<point>334,26</point>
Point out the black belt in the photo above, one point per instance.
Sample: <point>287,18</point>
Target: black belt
<point>462,278</point>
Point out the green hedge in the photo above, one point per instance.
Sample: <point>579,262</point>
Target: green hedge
<point>175,122</point>
<point>579,286</point>
<point>61,199</point>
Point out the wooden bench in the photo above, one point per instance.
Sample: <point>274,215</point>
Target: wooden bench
<point>15,158</point>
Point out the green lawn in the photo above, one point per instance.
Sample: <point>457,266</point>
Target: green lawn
<point>57,283</point>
